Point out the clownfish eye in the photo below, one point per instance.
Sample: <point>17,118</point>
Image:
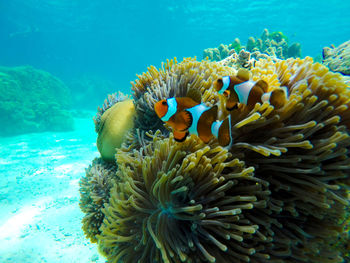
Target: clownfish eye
<point>164,103</point>
<point>220,80</point>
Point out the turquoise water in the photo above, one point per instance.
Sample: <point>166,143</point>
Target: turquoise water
<point>112,41</point>
<point>39,193</point>
<point>118,39</point>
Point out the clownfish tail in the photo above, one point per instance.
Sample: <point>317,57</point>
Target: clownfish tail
<point>222,131</point>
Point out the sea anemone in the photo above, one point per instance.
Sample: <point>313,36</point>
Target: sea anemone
<point>94,193</point>
<point>301,149</point>
<point>173,79</point>
<point>183,203</point>
<point>279,194</point>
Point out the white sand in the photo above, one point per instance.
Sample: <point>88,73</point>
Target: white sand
<point>40,219</point>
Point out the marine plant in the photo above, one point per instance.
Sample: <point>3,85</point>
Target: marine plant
<point>94,193</point>
<point>279,194</point>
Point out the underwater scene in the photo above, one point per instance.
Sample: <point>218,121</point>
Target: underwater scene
<point>174,131</point>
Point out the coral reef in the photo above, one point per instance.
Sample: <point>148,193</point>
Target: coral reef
<point>32,100</point>
<point>273,44</point>
<point>114,124</point>
<point>94,193</point>
<point>338,58</point>
<point>279,194</point>
<point>244,59</point>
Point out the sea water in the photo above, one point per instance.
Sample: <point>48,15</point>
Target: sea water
<point>40,219</point>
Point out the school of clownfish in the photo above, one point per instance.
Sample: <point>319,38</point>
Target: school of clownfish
<point>187,115</point>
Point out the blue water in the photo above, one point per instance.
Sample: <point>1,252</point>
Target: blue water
<point>39,195</point>
<point>114,40</point>
<point>117,39</point>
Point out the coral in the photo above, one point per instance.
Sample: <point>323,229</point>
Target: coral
<point>244,59</point>
<point>94,193</point>
<point>115,122</point>
<point>281,193</point>
<point>32,100</point>
<point>273,44</point>
<point>183,203</point>
<point>173,79</point>
<point>338,58</point>
<point>108,103</point>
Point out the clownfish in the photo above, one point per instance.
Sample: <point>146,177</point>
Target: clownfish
<point>239,89</point>
<point>277,97</point>
<point>186,116</point>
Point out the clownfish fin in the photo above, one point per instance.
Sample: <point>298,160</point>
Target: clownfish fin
<point>205,122</point>
<point>183,120</point>
<point>219,85</point>
<point>227,93</point>
<point>224,134</point>
<point>231,103</point>
<point>262,84</point>
<point>286,91</point>
<point>194,94</point>
<point>266,97</point>
<point>180,136</point>
<point>243,74</point>
<point>278,98</point>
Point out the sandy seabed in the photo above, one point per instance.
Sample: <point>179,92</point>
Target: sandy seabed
<point>40,218</point>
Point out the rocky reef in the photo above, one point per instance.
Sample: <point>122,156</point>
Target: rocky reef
<point>274,44</point>
<point>338,58</point>
<point>279,194</point>
<point>32,100</point>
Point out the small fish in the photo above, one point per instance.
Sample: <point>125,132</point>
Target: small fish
<point>277,97</point>
<point>239,89</point>
<point>186,116</point>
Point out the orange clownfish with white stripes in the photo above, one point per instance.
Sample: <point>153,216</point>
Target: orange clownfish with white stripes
<point>186,116</point>
<point>239,89</point>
